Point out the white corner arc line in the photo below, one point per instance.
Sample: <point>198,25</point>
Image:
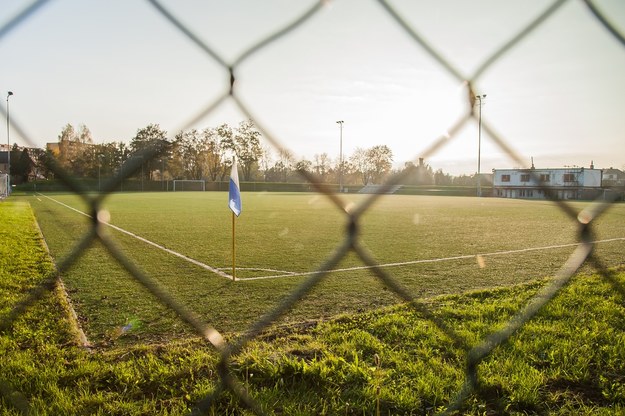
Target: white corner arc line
<point>175,253</point>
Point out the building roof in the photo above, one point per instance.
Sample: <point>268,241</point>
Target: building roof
<point>572,168</point>
<point>612,171</point>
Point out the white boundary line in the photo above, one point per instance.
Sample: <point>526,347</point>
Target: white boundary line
<point>284,273</point>
<point>175,253</point>
<point>407,263</point>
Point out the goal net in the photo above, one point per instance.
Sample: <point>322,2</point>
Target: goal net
<point>4,185</point>
<point>189,185</point>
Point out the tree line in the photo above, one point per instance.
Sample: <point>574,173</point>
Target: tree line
<point>207,154</point>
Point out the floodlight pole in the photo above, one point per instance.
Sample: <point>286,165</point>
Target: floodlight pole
<point>162,174</point>
<point>10,93</point>
<point>99,177</point>
<point>340,123</point>
<point>479,145</point>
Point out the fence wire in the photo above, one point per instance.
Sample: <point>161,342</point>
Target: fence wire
<point>351,241</point>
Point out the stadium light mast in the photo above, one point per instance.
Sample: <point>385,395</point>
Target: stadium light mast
<point>10,93</point>
<point>479,144</point>
<point>100,157</point>
<point>340,123</point>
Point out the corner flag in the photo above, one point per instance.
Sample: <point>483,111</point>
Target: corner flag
<point>234,196</point>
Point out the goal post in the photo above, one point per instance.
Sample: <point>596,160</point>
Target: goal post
<point>4,185</point>
<point>189,185</point>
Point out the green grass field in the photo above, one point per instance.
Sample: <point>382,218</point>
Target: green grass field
<point>379,360</point>
<point>428,244</point>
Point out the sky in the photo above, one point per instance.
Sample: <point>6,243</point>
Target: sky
<point>116,66</point>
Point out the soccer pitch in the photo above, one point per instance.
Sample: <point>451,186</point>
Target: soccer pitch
<point>183,241</point>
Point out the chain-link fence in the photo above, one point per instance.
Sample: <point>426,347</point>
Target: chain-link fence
<point>351,243</point>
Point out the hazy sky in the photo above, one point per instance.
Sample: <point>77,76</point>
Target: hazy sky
<point>118,65</point>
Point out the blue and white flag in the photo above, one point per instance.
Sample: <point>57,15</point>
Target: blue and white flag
<point>234,196</point>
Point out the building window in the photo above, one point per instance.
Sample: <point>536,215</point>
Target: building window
<point>569,177</point>
<point>544,177</point>
<point>505,178</point>
<point>525,177</point>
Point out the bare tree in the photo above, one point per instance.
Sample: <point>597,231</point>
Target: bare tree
<point>380,162</point>
<point>245,144</point>
<point>372,164</point>
<point>361,164</point>
<point>212,154</point>
<point>322,165</point>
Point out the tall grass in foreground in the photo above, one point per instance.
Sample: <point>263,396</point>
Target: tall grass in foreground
<point>569,360</point>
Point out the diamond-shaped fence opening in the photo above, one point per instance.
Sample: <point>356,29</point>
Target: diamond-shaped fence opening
<point>352,243</point>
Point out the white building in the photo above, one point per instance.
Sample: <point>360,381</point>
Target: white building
<point>558,183</point>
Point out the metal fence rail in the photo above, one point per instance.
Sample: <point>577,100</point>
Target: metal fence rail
<point>351,241</point>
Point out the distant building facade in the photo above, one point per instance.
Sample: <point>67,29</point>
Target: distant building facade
<point>613,177</point>
<point>558,183</point>
<point>53,148</point>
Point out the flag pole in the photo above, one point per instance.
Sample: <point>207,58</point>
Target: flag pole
<point>234,202</point>
<point>234,270</point>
